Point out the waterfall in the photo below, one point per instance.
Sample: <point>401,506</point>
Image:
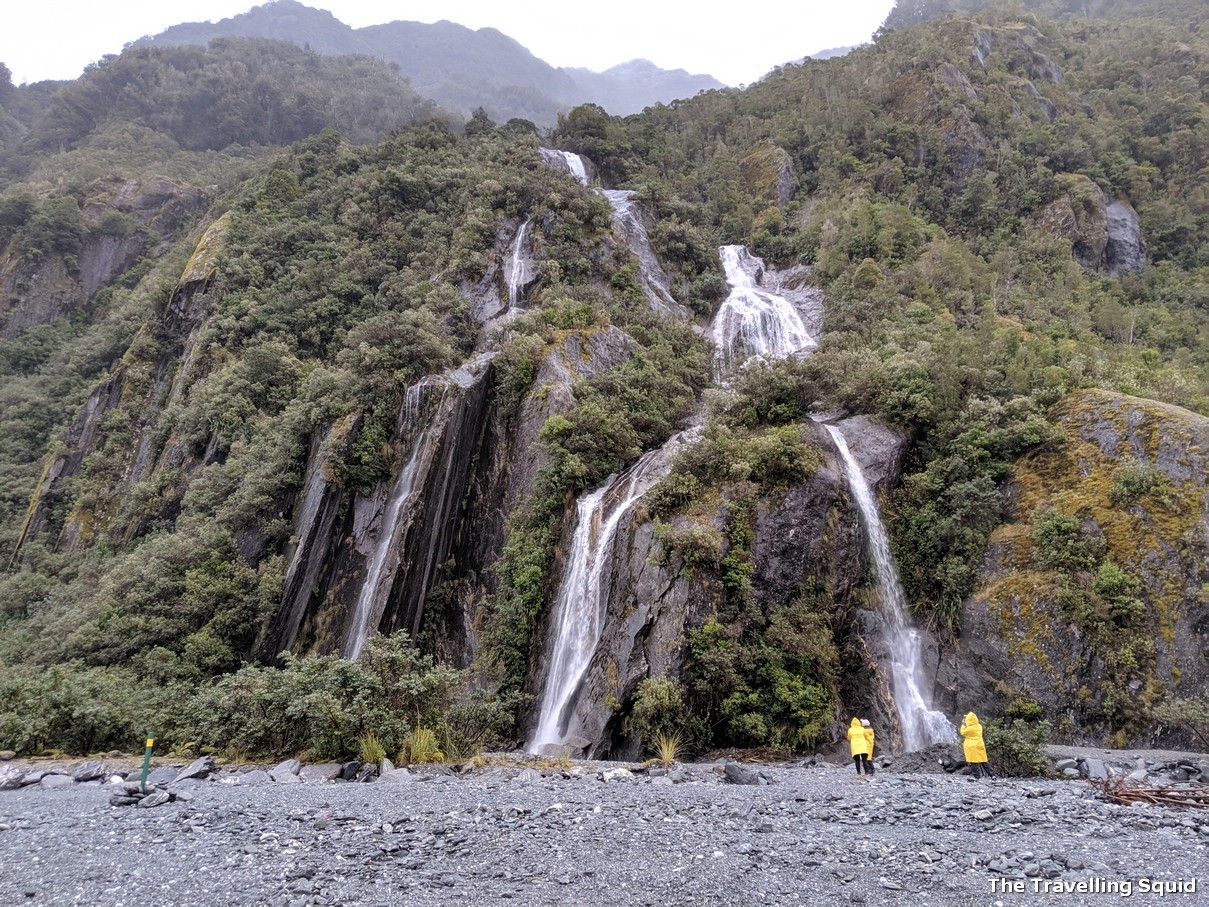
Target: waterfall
<point>921,725</point>
<point>566,160</point>
<point>518,272</point>
<point>371,600</point>
<point>654,280</point>
<point>754,322</point>
<point>582,601</point>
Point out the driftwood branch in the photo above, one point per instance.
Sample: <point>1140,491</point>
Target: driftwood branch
<point>1120,789</point>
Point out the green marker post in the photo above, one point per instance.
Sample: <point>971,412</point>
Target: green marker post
<point>147,761</point>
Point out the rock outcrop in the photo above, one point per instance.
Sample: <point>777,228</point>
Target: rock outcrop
<point>1105,234</point>
<point>808,537</point>
<point>1081,642</point>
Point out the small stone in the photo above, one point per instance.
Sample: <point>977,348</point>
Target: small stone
<point>984,815</point>
<point>158,798</point>
<point>7,755</point>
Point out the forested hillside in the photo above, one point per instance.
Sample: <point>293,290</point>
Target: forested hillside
<point>213,386</point>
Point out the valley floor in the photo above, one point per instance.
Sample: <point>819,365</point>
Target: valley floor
<point>812,834</point>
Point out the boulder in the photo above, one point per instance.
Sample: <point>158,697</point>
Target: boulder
<point>286,771</point>
<point>200,769</point>
<point>256,776</point>
<point>162,776</point>
<point>324,771</point>
<point>152,800</point>
<point>396,776</point>
<point>11,777</point>
<point>737,773</point>
<point>1093,769</point>
<point>55,782</point>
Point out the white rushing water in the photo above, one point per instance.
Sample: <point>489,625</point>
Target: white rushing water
<point>921,724</point>
<point>518,270</point>
<point>371,600</point>
<point>650,273</point>
<point>752,321</point>
<point>582,601</point>
<point>568,160</point>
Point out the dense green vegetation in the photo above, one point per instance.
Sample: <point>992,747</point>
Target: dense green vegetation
<point>943,203</point>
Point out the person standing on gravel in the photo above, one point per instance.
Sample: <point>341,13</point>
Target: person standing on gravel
<point>858,744</point>
<point>975,749</point>
<point>867,758</point>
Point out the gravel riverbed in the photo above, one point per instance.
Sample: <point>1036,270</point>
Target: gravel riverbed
<point>510,834</point>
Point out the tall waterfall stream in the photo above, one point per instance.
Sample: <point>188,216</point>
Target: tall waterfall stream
<point>921,725</point>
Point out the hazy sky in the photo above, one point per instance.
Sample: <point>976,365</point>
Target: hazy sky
<point>56,39</point>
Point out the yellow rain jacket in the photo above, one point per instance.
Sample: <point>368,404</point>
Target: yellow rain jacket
<point>971,734</point>
<point>857,741</point>
<point>868,740</point>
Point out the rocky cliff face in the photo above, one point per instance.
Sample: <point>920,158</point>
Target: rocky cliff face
<point>151,214</point>
<point>809,536</point>
<point>1051,623</point>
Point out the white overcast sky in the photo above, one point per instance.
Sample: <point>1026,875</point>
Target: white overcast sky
<point>735,43</point>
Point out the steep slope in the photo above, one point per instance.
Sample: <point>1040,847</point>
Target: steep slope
<point>371,386</point>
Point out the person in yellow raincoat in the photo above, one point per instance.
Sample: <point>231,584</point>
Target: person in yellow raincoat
<point>868,757</point>
<point>858,744</point>
<point>975,748</point>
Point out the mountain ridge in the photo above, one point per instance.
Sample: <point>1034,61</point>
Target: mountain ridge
<point>458,67</point>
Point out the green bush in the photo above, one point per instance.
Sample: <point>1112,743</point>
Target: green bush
<point>1016,747</point>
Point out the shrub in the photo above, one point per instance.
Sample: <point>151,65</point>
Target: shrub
<point>1016,747</point>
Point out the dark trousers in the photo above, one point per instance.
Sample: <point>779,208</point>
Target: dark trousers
<point>981,769</point>
<point>859,761</point>
<point>869,769</point>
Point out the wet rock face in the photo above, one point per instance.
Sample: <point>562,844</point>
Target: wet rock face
<point>810,534</point>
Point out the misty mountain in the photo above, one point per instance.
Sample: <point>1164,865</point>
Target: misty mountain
<point>458,67</point>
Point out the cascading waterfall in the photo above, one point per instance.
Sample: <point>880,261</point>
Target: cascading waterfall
<point>518,271</point>
<point>567,159</point>
<point>371,599</point>
<point>754,322</point>
<point>579,610</point>
<point>582,602</point>
<point>921,725</point>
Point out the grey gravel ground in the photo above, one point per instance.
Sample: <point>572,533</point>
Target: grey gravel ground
<point>813,835</point>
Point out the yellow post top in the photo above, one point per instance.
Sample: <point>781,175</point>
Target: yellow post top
<point>150,742</point>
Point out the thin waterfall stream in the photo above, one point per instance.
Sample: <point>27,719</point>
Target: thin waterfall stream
<point>518,271</point>
<point>579,610</point>
<point>367,611</point>
<point>921,725</point>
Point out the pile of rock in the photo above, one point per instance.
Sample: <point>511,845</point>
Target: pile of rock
<point>1157,771</point>
<point>14,777</point>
